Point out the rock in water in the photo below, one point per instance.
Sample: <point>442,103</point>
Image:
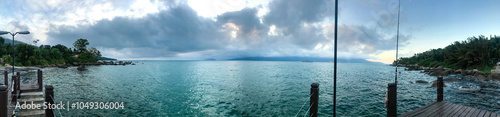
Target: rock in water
<point>459,71</point>
<point>479,76</point>
<point>421,81</point>
<point>440,72</point>
<point>81,68</point>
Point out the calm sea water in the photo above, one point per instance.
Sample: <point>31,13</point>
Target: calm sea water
<point>250,88</point>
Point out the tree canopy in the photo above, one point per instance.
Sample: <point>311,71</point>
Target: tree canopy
<point>479,52</point>
<point>29,55</point>
<point>81,45</point>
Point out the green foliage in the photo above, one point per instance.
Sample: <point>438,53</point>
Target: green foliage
<point>7,59</point>
<point>475,53</point>
<point>28,55</point>
<point>81,45</point>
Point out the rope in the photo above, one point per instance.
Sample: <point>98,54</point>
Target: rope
<point>56,109</point>
<point>305,102</point>
<point>309,109</point>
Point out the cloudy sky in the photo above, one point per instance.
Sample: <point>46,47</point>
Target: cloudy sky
<point>224,29</point>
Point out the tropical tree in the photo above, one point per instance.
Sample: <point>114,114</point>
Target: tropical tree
<point>81,45</point>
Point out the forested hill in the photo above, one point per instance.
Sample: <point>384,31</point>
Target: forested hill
<point>474,53</point>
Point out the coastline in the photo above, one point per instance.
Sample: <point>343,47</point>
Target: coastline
<point>75,64</point>
<point>474,75</point>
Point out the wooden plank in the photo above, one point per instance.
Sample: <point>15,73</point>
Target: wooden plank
<point>494,114</point>
<point>465,112</point>
<point>29,88</point>
<point>473,113</point>
<point>446,111</point>
<point>457,111</point>
<point>450,110</point>
<point>418,111</point>
<point>439,109</point>
<point>481,114</point>
<point>487,114</point>
<point>460,111</point>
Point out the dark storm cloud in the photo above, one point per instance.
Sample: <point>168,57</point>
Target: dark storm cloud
<point>176,30</point>
<point>301,26</point>
<point>290,15</point>
<point>246,18</point>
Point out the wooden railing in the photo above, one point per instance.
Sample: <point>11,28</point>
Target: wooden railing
<point>10,92</point>
<point>391,97</point>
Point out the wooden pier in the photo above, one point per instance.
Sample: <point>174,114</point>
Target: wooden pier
<point>13,92</point>
<point>446,109</point>
<point>438,108</point>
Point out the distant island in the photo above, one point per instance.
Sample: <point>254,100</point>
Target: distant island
<point>210,59</point>
<point>479,53</point>
<point>295,58</point>
<point>106,58</point>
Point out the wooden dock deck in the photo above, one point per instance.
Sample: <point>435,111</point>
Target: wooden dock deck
<point>446,109</point>
<point>13,91</point>
<point>438,108</point>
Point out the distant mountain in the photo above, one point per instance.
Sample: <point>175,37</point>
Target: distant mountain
<point>105,58</point>
<point>313,59</point>
<point>9,41</point>
<point>210,59</point>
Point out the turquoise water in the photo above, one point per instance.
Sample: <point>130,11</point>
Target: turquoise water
<point>248,88</point>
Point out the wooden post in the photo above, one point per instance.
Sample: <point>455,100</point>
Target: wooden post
<point>40,80</point>
<point>391,100</point>
<point>14,93</point>
<point>440,85</point>
<point>313,101</point>
<point>4,100</point>
<point>49,94</point>
<point>6,78</point>
<point>18,81</point>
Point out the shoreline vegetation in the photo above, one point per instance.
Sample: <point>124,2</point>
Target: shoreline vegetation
<point>54,56</point>
<point>476,58</point>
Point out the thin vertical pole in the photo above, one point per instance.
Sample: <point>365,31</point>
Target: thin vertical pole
<point>335,62</point>
<point>13,54</point>
<point>397,45</point>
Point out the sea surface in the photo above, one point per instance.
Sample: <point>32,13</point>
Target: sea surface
<point>251,88</point>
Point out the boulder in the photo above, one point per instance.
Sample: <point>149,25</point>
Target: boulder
<point>458,71</point>
<point>467,72</point>
<point>448,80</point>
<point>421,81</point>
<point>479,73</point>
<point>494,76</point>
<point>440,72</point>
<point>479,76</point>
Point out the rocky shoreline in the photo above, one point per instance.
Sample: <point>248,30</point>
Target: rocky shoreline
<point>90,64</point>
<point>474,74</point>
<point>28,68</point>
